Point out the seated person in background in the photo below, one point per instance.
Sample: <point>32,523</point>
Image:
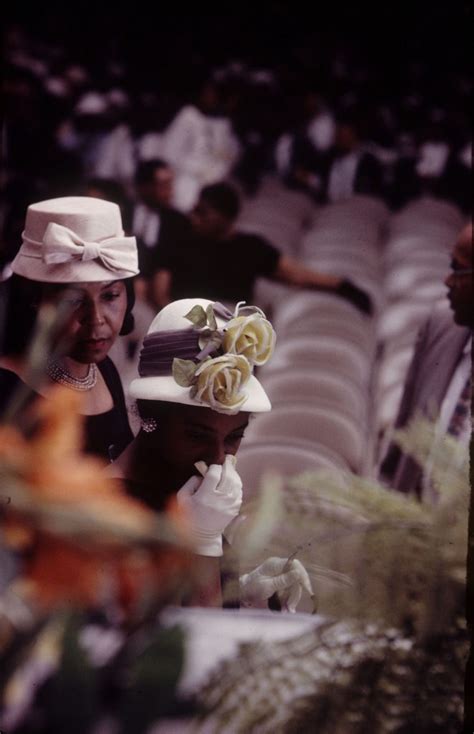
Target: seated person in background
<point>222,263</point>
<point>439,381</point>
<point>200,143</point>
<point>155,223</point>
<point>194,403</point>
<point>74,255</point>
<point>347,169</point>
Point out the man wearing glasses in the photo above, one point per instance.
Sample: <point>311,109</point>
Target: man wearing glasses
<point>439,381</point>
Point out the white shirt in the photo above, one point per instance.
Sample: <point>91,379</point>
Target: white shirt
<point>432,158</point>
<point>342,176</point>
<point>202,149</point>
<point>146,224</point>
<point>322,131</point>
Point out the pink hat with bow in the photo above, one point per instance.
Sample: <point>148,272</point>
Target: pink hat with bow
<point>75,239</point>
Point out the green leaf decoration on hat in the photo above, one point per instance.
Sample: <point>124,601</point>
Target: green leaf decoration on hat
<point>210,339</point>
<point>183,371</point>
<point>197,316</point>
<point>201,318</point>
<point>211,319</point>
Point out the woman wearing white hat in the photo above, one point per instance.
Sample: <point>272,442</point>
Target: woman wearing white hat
<point>195,394</point>
<point>74,254</point>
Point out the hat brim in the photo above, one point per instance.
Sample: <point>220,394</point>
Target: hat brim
<point>166,389</point>
<point>75,272</point>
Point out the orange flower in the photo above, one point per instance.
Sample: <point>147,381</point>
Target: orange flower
<point>55,472</point>
<point>61,572</point>
<point>84,534</point>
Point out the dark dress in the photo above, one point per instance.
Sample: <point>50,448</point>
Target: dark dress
<point>219,270</point>
<point>106,434</point>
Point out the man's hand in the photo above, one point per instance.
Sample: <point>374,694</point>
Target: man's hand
<point>359,298</point>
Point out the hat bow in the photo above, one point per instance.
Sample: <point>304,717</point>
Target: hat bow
<point>62,245</point>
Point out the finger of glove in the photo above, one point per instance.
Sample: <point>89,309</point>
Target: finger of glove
<point>271,566</point>
<point>211,479</point>
<point>291,597</point>
<point>284,580</point>
<point>188,489</point>
<point>303,577</point>
<point>230,482</point>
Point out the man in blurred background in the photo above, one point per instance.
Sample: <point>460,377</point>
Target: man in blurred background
<point>221,263</point>
<point>439,382</point>
<point>154,222</point>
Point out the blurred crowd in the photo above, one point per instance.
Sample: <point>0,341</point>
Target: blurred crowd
<point>330,125</point>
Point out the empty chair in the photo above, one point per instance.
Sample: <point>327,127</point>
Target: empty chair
<point>313,424</point>
<point>394,368</point>
<point>259,458</point>
<point>345,266</point>
<point>316,387</point>
<point>402,317</point>
<point>324,353</point>
<point>267,294</point>
<point>388,403</point>
<point>320,326</point>
<point>424,214</point>
<point>310,302</point>
<point>401,281</point>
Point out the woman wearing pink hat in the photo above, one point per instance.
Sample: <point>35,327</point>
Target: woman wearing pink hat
<point>195,395</point>
<point>74,254</point>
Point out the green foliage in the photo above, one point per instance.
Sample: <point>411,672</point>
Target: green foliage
<point>152,679</point>
<point>342,677</point>
<point>75,680</point>
<point>373,553</point>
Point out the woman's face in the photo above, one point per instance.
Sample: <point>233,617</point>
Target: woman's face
<point>97,314</point>
<point>189,433</point>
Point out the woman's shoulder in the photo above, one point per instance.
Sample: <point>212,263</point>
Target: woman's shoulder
<point>110,374</point>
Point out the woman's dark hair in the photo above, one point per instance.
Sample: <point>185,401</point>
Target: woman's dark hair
<point>129,319</point>
<point>157,409</point>
<point>23,297</point>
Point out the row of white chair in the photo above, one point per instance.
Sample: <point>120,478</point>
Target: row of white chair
<point>319,380</point>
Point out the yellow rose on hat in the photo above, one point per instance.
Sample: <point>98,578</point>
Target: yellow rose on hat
<point>219,382</point>
<point>251,336</point>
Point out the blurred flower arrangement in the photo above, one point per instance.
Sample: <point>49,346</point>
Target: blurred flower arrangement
<point>94,568</point>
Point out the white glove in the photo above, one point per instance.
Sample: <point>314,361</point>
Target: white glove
<point>211,503</point>
<point>287,578</point>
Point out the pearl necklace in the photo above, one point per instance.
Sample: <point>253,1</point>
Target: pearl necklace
<point>57,373</point>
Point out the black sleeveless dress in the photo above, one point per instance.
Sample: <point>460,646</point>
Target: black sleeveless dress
<point>106,434</point>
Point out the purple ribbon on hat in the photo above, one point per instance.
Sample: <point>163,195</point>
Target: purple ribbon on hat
<point>162,347</point>
<point>159,350</point>
<point>62,245</point>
